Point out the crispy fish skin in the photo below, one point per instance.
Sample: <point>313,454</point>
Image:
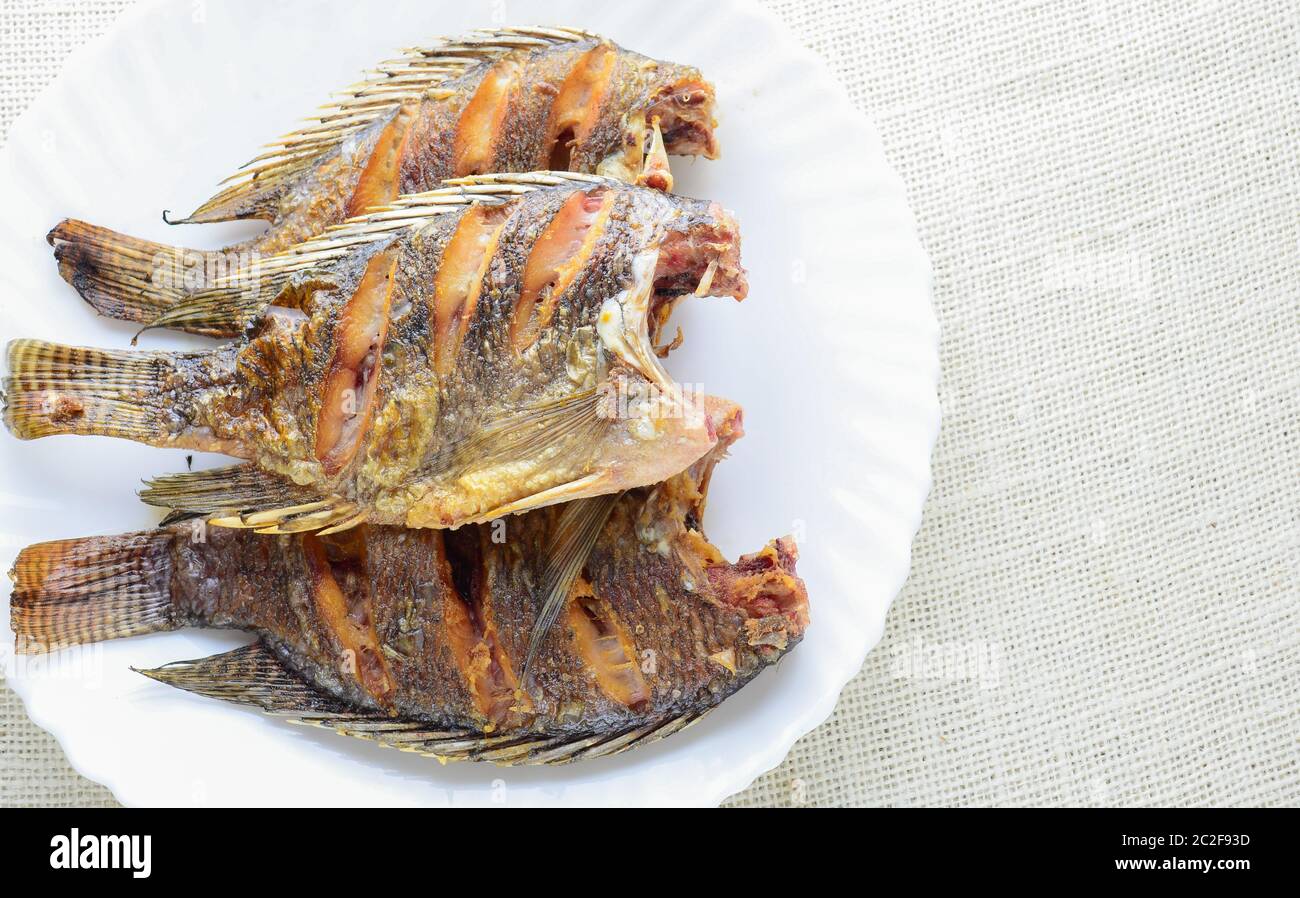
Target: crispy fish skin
<point>516,100</point>
<point>407,382</point>
<point>415,637</point>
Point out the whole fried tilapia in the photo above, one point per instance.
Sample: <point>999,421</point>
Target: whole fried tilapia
<point>415,638</point>
<point>513,100</point>
<point>466,353</point>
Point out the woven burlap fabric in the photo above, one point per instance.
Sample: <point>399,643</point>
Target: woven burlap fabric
<point>1102,608</point>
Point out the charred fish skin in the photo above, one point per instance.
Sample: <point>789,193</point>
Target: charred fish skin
<point>511,100</point>
<point>446,372</point>
<point>416,637</point>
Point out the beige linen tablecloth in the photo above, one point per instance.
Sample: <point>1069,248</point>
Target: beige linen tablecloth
<point>1102,607</point>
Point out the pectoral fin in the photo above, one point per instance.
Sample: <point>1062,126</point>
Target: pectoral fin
<point>523,433</point>
<point>574,537</point>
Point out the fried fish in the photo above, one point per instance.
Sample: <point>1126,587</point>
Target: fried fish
<point>415,638</point>
<point>463,354</point>
<point>509,100</point>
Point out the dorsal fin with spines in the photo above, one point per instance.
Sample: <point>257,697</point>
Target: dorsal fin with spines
<point>394,82</point>
<point>415,210</point>
<point>229,303</point>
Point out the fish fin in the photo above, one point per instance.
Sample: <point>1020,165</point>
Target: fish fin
<point>565,751</point>
<point>230,304</point>
<point>506,749</point>
<point>504,185</point>
<point>571,542</point>
<point>243,496</point>
<point>255,676</point>
<point>252,197</point>
<point>522,433</point>
<point>233,488</point>
<point>254,190</point>
<point>74,591</point>
<point>572,491</point>
<point>54,389</point>
<point>409,212</point>
<point>120,276</point>
<point>216,312</point>
<point>655,171</point>
<point>177,515</point>
<point>250,675</point>
<point>329,515</point>
<point>153,284</point>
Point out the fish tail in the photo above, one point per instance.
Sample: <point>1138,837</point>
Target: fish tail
<point>53,389</point>
<point>120,276</point>
<point>75,591</point>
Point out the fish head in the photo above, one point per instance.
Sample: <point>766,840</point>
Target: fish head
<point>700,253</point>
<point>668,113</point>
<point>696,252</point>
<point>683,104</point>
<point>764,587</point>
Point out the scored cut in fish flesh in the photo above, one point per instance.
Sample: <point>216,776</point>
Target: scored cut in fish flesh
<point>448,359</point>
<point>507,100</point>
<point>414,638</point>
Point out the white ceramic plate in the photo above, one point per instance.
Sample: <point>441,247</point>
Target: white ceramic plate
<point>833,355</point>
